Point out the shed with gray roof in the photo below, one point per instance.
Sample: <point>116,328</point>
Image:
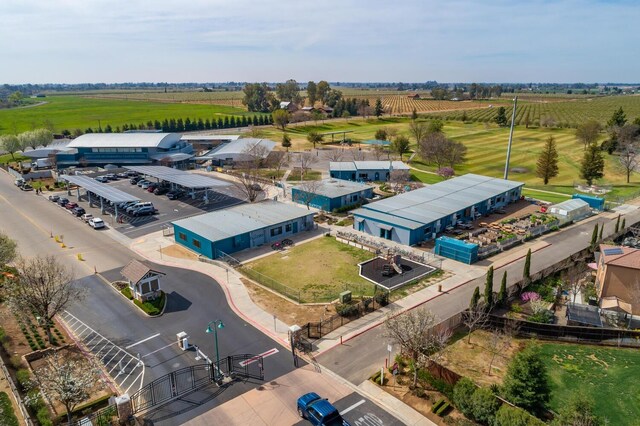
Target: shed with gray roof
<point>365,171</point>
<point>419,215</point>
<point>240,227</point>
<point>331,194</point>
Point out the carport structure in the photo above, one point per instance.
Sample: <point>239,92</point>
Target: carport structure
<point>102,190</point>
<point>179,177</point>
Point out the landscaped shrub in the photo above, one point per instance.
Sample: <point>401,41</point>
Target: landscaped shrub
<point>8,416</point>
<point>345,310</point>
<point>437,405</point>
<point>443,410</point>
<point>513,416</point>
<point>382,298</point>
<point>438,384</point>
<point>127,293</point>
<point>462,396</point>
<point>43,416</point>
<point>484,406</point>
<point>23,377</point>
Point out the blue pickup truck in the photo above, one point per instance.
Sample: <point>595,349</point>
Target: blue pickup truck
<point>319,411</point>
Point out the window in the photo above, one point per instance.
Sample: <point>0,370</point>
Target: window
<point>276,231</point>
<point>287,227</point>
<point>155,285</point>
<point>182,236</point>
<point>196,243</point>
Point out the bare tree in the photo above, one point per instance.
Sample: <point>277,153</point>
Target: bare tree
<point>629,159</point>
<point>66,380</point>
<point>357,155</point>
<point>276,161</point>
<point>474,318</point>
<point>418,130</point>
<point>379,152</point>
<point>255,132</point>
<point>306,160</point>
<point>248,182</point>
<point>436,148</point>
<point>588,132</point>
<point>334,155</point>
<point>398,179</point>
<point>573,281</point>
<point>500,340</point>
<point>7,249</point>
<point>419,337</point>
<point>308,191</point>
<point>43,288</point>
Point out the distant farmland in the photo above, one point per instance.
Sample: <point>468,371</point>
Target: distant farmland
<point>557,114</point>
<point>71,112</point>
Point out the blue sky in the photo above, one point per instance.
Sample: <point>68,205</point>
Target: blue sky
<point>70,41</point>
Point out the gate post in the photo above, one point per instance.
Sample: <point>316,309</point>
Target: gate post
<point>124,408</point>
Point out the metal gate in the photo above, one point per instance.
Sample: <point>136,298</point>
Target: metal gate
<point>189,379</point>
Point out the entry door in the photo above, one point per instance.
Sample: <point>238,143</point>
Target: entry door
<point>257,238</point>
<point>295,227</point>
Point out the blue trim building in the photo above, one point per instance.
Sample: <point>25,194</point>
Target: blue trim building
<point>365,171</point>
<point>125,149</point>
<point>241,227</point>
<point>420,215</point>
<point>330,194</point>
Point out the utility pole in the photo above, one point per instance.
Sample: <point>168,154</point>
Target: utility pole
<point>513,123</point>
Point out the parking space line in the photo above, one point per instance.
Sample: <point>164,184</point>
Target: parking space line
<point>94,338</point>
<point>114,355</point>
<point>142,341</point>
<point>117,364</point>
<point>134,381</point>
<point>356,405</point>
<point>108,352</point>
<point>157,350</point>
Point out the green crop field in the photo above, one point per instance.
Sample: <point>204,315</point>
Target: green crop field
<point>608,375</point>
<point>568,113</point>
<point>71,112</point>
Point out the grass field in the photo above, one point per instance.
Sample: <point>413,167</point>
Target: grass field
<point>322,266</point>
<point>71,112</point>
<point>608,375</point>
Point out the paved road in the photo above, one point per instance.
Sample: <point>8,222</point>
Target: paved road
<point>359,357</point>
<point>360,411</point>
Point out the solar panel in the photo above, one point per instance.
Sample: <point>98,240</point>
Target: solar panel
<point>179,177</point>
<point>103,190</point>
<point>613,251</point>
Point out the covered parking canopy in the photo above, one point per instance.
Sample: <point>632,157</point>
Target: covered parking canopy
<point>179,177</point>
<point>104,191</point>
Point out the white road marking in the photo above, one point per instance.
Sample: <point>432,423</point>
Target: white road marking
<point>142,341</point>
<point>158,350</point>
<point>356,405</point>
<point>257,357</point>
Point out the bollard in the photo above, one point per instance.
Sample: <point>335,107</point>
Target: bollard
<point>95,271</point>
<point>79,255</point>
<point>63,245</point>
<point>340,339</point>
<point>440,288</point>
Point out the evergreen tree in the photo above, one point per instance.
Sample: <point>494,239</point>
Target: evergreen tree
<point>220,123</point>
<point>286,141</point>
<point>600,234</point>
<point>255,120</point>
<point>378,108</point>
<point>187,124</point>
<point>108,129</point>
<point>232,121</point>
<point>488,289</point>
<point>501,117</point>
<point>617,228</point>
<point>547,165</point>
<point>414,114</point>
<point>165,125</point>
<point>207,124</point>
<point>172,125</point>
<point>502,294</point>
<point>475,298</point>
<point>592,166</point>
<point>179,125</point>
<point>226,122</point>
<point>526,383</point>
<point>157,125</point>
<point>269,119</point>
<point>201,125</point>
<point>261,120</point>
<point>594,236</point>
<point>526,273</point>
<point>623,227</point>
<point>618,119</point>
<point>245,122</point>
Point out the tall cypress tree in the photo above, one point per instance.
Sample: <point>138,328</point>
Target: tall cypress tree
<point>502,295</point>
<point>594,236</point>
<point>600,233</point>
<point>255,120</point>
<point>475,298</point>
<point>526,273</point>
<point>220,123</point>
<point>488,289</point>
<point>622,227</point>
<point>617,224</point>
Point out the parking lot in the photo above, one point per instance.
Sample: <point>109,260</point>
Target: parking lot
<point>167,210</point>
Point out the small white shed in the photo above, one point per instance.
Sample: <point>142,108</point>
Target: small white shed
<point>571,210</point>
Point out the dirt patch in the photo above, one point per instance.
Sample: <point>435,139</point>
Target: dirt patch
<point>287,312</point>
<point>179,252</point>
<point>472,359</point>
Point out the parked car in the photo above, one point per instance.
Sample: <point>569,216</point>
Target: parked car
<point>145,185</point>
<point>134,180</point>
<point>19,182</point>
<point>319,411</point>
<point>70,205</point>
<point>87,217</point>
<point>122,175</point>
<point>96,223</point>
<point>143,211</point>
<point>161,190</point>
<point>63,201</point>
<point>54,198</point>
<point>142,182</point>
<point>102,179</point>
<point>152,187</point>
<point>174,195</point>
<point>136,206</point>
<point>111,176</point>
<point>131,173</point>
<point>78,211</point>
<point>26,187</point>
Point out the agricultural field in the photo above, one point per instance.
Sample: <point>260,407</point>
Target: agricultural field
<point>607,375</point>
<point>71,112</point>
<point>569,113</point>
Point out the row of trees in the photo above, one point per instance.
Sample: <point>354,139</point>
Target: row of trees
<point>260,97</point>
<point>24,140</point>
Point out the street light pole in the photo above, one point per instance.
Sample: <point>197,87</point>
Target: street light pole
<point>217,324</point>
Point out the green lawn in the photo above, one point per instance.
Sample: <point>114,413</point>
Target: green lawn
<point>71,112</point>
<point>608,375</point>
<point>320,269</point>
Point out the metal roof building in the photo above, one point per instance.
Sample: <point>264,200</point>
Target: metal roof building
<point>418,215</point>
<point>330,194</point>
<point>240,227</point>
<point>239,150</point>
<point>571,210</point>
<point>213,138</point>
<point>125,140</point>
<point>365,170</point>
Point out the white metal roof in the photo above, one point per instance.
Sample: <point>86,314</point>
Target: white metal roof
<point>125,140</point>
<point>196,137</point>
<point>240,146</point>
<point>569,205</point>
<point>101,189</point>
<point>333,188</point>
<point>427,205</point>
<point>226,223</point>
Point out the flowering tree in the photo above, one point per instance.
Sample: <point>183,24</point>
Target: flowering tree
<point>66,380</point>
<point>529,296</point>
<point>446,172</point>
